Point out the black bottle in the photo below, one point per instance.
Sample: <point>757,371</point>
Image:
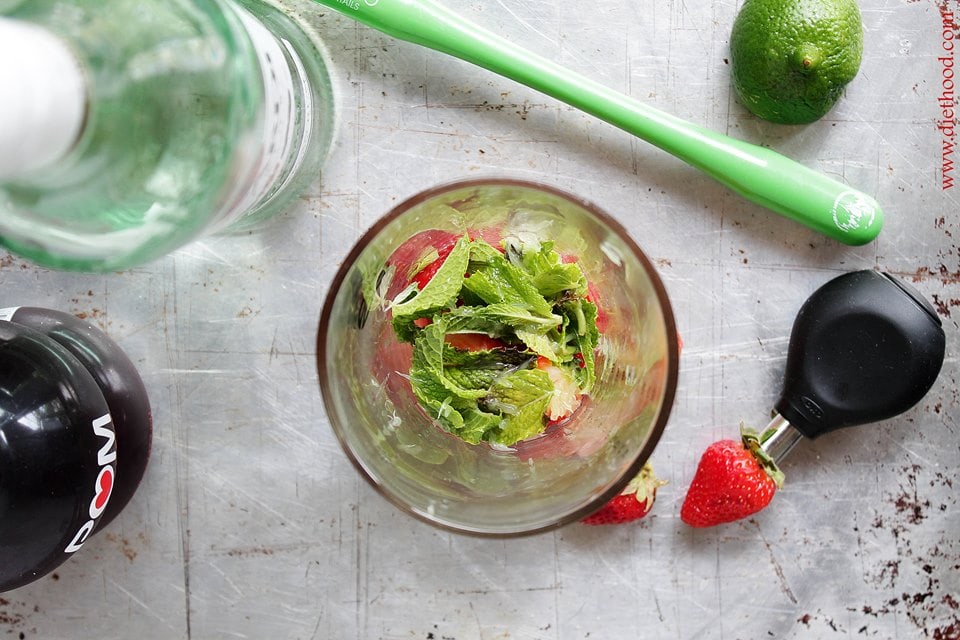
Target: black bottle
<point>75,433</point>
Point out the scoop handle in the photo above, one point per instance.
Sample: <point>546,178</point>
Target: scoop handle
<point>756,173</point>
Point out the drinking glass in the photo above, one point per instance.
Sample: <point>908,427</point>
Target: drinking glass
<point>538,484</point>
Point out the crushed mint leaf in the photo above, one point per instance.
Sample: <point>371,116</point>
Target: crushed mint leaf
<point>443,288</point>
<point>492,332</point>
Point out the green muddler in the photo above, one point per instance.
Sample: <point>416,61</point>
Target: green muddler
<point>756,173</point>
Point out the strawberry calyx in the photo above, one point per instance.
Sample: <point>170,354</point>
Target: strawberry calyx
<point>753,442</point>
<point>644,485</point>
<point>634,502</point>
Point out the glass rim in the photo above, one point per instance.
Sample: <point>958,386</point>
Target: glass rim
<point>672,348</point>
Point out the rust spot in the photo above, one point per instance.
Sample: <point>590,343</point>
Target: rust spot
<point>943,306</point>
<point>941,273</point>
<point>126,547</point>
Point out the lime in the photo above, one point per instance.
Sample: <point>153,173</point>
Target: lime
<point>791,59</point>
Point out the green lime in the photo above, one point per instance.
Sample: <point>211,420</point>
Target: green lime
<point>791,59</point>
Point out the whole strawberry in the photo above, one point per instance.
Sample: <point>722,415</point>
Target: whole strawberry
<point>733,480</point>
<point>634,502</point>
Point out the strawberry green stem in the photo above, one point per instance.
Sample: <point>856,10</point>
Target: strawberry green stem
<point>753,443</point>
<point>779,438</point>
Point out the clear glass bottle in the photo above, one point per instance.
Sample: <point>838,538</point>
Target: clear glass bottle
<point>129,128</point>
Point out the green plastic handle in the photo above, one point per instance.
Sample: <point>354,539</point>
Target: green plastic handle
<point>758,174</point>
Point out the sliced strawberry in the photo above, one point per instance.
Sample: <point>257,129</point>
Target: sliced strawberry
<point>634,502</point>
<point>443,243</point>
<point>391,367</point>
<point>473,342</point>
<point>426,274</point>
<point>419,245</point>
<point>491,235</point>
<point>733,480</point>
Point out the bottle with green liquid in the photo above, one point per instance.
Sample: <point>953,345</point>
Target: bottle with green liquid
<point>129,128</point>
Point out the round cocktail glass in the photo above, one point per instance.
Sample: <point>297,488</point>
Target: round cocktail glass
<point>546,481</point>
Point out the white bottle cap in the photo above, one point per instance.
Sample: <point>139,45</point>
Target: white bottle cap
<point>43,99</point>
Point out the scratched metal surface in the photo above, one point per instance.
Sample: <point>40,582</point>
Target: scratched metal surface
<point>251,523</point>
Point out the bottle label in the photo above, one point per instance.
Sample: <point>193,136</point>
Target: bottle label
<point>103,485</point>
<point>275,151</point>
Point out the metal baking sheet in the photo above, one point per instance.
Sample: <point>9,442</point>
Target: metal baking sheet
<point>251,523</point>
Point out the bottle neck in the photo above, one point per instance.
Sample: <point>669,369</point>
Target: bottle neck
<point>44,98</point>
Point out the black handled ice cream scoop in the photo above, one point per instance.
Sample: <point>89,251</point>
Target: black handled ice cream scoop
<point>75,432</point>
<point>864,347</point>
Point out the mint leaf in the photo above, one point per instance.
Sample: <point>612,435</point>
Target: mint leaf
<point>515,316</point>
<point>404,328</point>
<point>581,336</point>
<point>467,378</point>
<point>495,280</point>
<point>487,359</point>
<point>443,288</point>
<point>559,279</point>
<point>539,344</point>
<point>427,368</point>
<point>478,424</point>
<point>548,272</point>
<point>479,369</point>
<point>475,320</point>
<point>533,303</point>
<point>522,397</point>
<point>434,395</point>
